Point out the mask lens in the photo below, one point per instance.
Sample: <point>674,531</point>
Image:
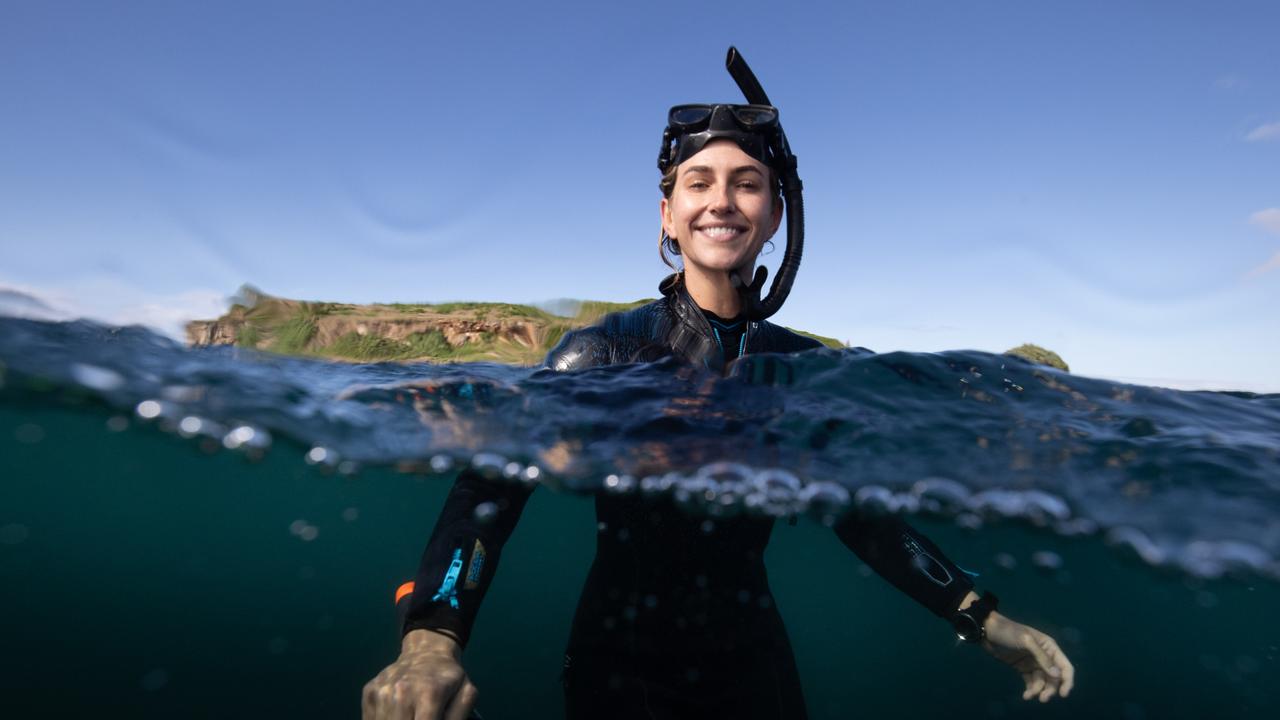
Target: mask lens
<point>684,116</point>
<point>754,117</point>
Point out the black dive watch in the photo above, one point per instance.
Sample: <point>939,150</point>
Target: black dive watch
<point>969,623</point>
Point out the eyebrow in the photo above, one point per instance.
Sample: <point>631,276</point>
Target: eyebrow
<point>735,171</point>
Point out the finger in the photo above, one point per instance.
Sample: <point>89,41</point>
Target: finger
<point>1034,685</point>
<point>401,705</point>
<point>462,703</point>
<point>1050,689</point>
<point>1030,642</point>
<point>367,710</point>
<point>1068,674</point>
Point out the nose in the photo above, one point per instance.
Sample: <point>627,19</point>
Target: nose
<point>722,200</point>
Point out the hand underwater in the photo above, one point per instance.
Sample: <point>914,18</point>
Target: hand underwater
<point>1036,656</point>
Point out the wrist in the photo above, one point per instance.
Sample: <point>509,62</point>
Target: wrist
<point>431,641</point>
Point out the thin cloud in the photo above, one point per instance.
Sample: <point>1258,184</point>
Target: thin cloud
<point>1270,131</point>
<point>1266,267</point>
<point>1268,220</point>
<point>1230,82</point>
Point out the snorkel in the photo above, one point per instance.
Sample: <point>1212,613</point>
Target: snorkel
<point>755,128</point>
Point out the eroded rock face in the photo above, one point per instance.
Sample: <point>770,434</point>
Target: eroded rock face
<point>210,332</point>
<point>316,326</point>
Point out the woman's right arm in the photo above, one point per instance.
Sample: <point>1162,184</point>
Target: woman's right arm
<point>427,681</point>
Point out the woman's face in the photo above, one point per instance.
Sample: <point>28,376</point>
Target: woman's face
<point>721,210</point>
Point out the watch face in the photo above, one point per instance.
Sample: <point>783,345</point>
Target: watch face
<point>966,627</point>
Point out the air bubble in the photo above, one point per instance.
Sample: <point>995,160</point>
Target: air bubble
<point>319,455</point>
<point>619,484</point>
<point>489,465</point>
<point>148,409</point>
<point>190,426</point>
<point>441,464</point>
<point>96,378</point>
<point>485,512</point>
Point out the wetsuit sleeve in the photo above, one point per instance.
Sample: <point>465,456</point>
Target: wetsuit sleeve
<point>478,517</point>
<point>580,349</point>
<point>460,560</point>
<point>907,559</point>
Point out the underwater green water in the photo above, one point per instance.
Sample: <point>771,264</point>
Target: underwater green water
<point>143,577</point>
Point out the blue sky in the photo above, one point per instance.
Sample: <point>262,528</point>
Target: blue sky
<point>1100,178</point>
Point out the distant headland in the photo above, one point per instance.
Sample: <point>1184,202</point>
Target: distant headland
<point>422,332</point>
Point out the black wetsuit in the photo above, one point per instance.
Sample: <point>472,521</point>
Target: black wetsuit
<point>676,618</point>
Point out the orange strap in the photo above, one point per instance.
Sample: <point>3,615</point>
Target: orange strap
<point>403,590</point>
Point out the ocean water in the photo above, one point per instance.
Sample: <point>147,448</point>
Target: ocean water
<point>218,533</point>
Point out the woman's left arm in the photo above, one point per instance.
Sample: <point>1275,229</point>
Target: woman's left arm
<point>915,565</point>
<point>1044,667</point>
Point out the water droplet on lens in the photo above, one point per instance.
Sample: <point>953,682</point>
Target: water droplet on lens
<point>155,680</point>
<point>28,433</point>
<point>351,514</point>
<point>1006,561</point>
<point>296,527</point>
<point>117,423</point>
<point>1046,560</point>
<point>13,534</point>
<point>317,455</point>
<point>309,533</point>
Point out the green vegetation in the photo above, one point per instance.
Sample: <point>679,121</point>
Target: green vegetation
<point>292,336</point>
<point>1039,355</point>
<point>371,348</point>
<point>494,332</point>
<point>829,342</point>
<point>248,336</point>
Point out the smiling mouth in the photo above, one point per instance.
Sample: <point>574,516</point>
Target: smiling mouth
<point>721,232</point>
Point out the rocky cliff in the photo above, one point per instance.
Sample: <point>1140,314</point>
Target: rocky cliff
<point>450,332</point>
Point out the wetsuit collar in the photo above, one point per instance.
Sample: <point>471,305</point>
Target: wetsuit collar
<point>694,338</point>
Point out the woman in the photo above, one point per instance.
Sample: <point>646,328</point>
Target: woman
<point>676,618</point>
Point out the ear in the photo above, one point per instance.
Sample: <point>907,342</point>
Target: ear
<point>668,226</point>
<point>777,218</point>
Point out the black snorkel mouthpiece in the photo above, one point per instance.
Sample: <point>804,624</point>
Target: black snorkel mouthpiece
<point>755,128</point>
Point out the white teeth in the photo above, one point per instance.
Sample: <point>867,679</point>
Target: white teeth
<point>719,231</point>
